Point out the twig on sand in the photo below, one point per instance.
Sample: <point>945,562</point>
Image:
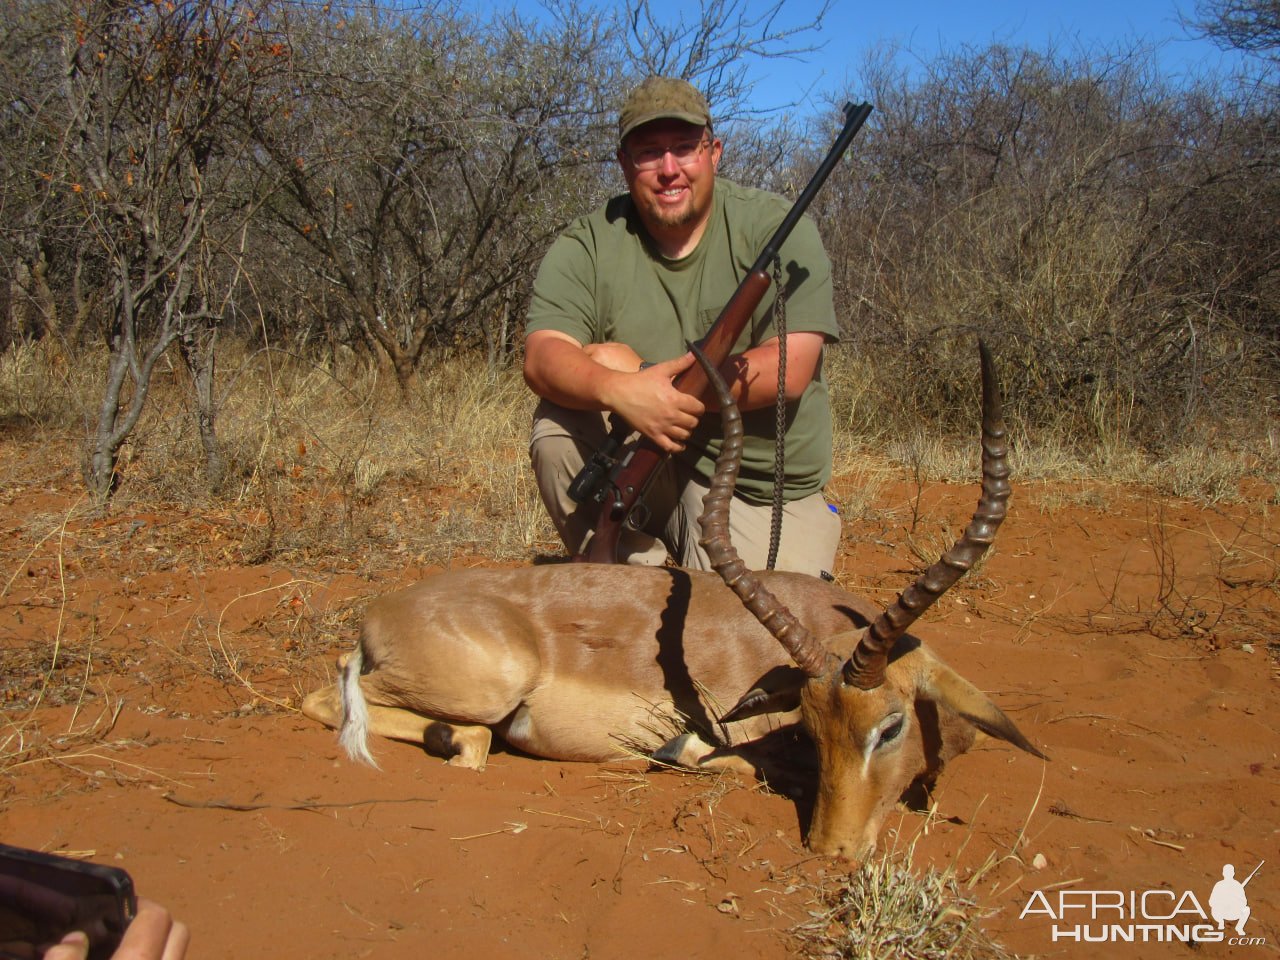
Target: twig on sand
<point>250,807</point>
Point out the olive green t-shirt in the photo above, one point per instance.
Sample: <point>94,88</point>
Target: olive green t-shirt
<point>602,281</point>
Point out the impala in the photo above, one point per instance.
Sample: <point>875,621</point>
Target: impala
<point>579,661</point>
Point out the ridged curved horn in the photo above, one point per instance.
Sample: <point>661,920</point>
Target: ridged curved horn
<point>809,655</point>
<point>865,667</point>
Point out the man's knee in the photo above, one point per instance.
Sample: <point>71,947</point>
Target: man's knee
<point>809,537</point>
<point>814,538</point>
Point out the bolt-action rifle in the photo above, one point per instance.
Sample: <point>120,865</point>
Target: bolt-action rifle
<point>617,478</point>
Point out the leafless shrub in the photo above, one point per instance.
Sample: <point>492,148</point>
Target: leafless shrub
<point>1101,227</point>
<point>1214,602</point>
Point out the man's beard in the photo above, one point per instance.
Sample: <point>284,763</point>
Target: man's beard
<point>667,217</point>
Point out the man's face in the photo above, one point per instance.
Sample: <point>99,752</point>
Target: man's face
<point>669,196</point>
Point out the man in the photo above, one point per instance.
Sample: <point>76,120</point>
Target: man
<point>616,299</point>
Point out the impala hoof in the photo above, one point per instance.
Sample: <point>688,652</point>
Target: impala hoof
<point>461,746</point>
<point>686,750</point>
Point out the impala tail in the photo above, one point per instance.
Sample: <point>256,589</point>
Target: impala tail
<point>354,736</point>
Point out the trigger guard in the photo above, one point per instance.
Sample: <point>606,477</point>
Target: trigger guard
<point>638,517</point>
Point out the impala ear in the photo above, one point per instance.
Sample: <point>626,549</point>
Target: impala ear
<point>943,685</point>
<point>778,691</point>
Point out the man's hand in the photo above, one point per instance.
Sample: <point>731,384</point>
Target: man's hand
<point>607,376</point>
<point>152,935</point>
<point>649,402</point>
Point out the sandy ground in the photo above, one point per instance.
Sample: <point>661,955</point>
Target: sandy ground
<point>151,674</point>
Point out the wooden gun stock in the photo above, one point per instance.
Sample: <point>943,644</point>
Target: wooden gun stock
<point>621,492</point>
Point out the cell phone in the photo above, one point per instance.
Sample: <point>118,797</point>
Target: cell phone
<point>43,897</point>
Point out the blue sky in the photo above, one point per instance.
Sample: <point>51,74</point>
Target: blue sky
<point>925,27</point>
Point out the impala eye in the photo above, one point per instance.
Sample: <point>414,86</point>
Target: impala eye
<point>890,730</point>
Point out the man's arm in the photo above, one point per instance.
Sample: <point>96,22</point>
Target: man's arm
<point>558,368</point>
<point>753,374</point>
<point>608,377</point>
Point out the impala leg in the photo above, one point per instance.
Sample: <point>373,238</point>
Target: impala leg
<point>461,745</point>
<point>693,753</point>
<point>324,706</point>
<point>783,758</point>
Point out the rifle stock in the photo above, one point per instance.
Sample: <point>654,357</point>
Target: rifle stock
<point>630,474</point>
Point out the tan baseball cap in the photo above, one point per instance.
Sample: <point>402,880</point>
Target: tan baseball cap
<point>663,98</point>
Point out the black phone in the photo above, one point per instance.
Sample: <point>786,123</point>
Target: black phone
<point>43,897</point>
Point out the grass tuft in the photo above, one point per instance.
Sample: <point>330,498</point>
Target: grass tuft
<point>885,910</point>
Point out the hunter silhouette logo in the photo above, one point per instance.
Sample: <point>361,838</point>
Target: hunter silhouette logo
<point>1148,916</point>
<point>1228,900</point>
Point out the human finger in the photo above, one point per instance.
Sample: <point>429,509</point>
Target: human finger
<point>74,946</point>
<point>175,947</point>
<point>153,935</point>
<point>675,366</point>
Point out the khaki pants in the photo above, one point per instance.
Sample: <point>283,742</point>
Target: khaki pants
<point>562,441</point>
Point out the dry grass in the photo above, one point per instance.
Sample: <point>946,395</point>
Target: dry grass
<point>327,460</point>
<point>38,675</point>
<point>889,909</point>
<point>1213,585</point>
<point>1051,500</point>
<point>343,441</point>
<point>877,418</point>
<point>331,468</point>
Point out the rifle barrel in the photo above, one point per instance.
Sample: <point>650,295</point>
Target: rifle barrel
<point>855,117</point>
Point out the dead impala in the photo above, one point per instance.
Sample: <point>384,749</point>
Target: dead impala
<point>573,661</point>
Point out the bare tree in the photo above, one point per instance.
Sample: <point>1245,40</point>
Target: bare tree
<point>43,240</point>
<point>142,118</point>
<point>1250,25</point>
<point>715,44</point>
<point>426,163</point>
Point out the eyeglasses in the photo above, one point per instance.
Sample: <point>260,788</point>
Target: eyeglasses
<point>650,158</point>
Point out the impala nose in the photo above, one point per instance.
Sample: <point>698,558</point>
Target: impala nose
<point>852,850</point>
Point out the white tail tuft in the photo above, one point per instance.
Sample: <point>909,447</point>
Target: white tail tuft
<point>354,735</point>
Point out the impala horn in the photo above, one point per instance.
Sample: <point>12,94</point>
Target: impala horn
<point>808,654</point>
<point>865,667</point>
